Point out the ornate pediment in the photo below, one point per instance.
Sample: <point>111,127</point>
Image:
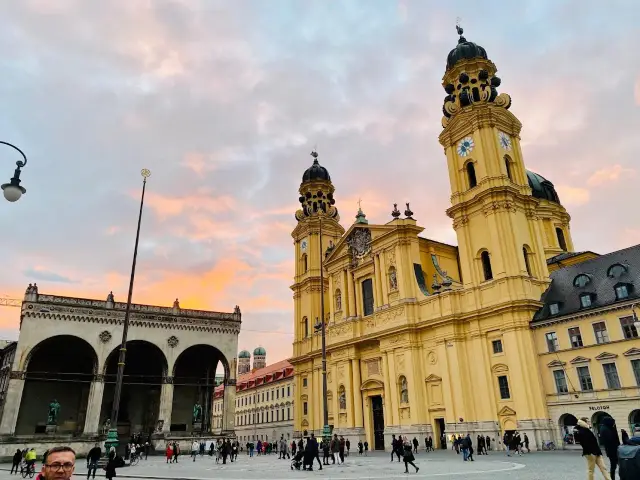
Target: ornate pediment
<point>632,352</point>
<point>433,378</point>
<point>505,411</point>
<point>556,363</point>
<point>606,356</point>
<point>359,242</point>
<point>580,359</point>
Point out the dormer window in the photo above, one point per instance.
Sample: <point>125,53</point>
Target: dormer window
<point>622,291</point>
<point>581,280</point>
<point>554,308</point>
<point>585,300</point>
<point>616,270</point>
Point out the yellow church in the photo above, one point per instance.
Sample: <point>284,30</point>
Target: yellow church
<point>429,339</point>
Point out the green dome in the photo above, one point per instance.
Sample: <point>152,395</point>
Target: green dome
<point>259,351</point>
<point>244,354</point>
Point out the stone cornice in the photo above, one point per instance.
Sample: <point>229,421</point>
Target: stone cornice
<point>579,315</point>
<point>149,318</point>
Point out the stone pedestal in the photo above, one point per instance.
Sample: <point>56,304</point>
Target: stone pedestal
<point>51,429</point>
<point>197,426</point>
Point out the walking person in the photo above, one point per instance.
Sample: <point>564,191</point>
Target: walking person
<point>610,441</point>
<point>526,443</point>
<point>176,452</point>
<point>335,449</point>
<point>465,445</point>
<point>454,444</point>
<point>408,458</point>
<point>366,448</point>
<point>341,448</point>
<point>348,444</point>
<point>110,468</point>
<point>360,448</point>
<point>326,451</point>
<point>169,452</point>
<point>17,458</point>
<point>195,448</point>
<point>92,460</point>
<point>415,445</point>
<point>590,449</point>
<point>487,443</point>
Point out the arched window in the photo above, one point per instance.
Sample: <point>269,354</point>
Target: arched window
<point>404,389</point>
<point>561,241</point>
<point>338,300</point>
<point>393,278</point>
<point>527,263</point>
<point>507,163</point>
<point>342,398</point>
<point>616,270</point>
<point>486,265</point>
<point>471,175</point>
<point>305,322</point>
<point>581,280</point>
<point>304,263</point>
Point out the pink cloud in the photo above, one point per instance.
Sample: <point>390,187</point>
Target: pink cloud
<point>609,174</point>
<point>573,196</point>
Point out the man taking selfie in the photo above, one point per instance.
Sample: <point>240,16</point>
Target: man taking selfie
<point>60,464</point>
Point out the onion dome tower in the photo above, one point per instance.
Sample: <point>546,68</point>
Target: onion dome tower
<point>244,362</point>
<point>259,358</point>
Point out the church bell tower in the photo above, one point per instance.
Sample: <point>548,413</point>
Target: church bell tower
<point>492,206</point>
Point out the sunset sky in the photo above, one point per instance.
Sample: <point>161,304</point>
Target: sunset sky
<point>224,100</point>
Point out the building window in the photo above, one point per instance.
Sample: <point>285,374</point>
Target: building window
<point>288,391</point>
<point>561,241</point>
<point>552,341</point>
<point>471,175</point>
<point>304,382</point>
<point>304,408</point>
<point>503,384</point>
<point>263,396</point>
<point>527,264</point>
<point>282,392</point>
<point>288,413</point>
<point>367,297</point>
<point>616,270</point>
<point>581,280</point>
<point>586,385</point>
<point>600,331</point>
<point>622,292</point>
<point>585,300</point>
<point>305,264</point>
<point>507,164</point>
<point>561,381</point>
<point>261,417</point>
<point>629,330</point>
<point>554,308</point>
<point>278,393</point>
<point>611,375</point>
<point>497,346</point>
<point>576,337</point>
<point>486,265</point>
<point>305,321</point>
<point>635,366</point>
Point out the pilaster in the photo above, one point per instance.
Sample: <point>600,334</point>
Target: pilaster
<point>357,393</point>
<point>166,405</point>
<point>94,406</point>
<point>12,403</point>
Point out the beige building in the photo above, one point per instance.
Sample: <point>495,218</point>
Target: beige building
<point>588,346</point>
<point>264,401</point>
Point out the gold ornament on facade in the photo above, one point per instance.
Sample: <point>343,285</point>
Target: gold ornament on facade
<point>432,358</point>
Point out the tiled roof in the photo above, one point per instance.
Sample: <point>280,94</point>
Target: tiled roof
<point>263,376</point>
<point>601,286</point>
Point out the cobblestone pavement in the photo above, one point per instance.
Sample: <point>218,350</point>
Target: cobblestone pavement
<point>438,465</point>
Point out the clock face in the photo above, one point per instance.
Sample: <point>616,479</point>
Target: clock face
<point>505,140</point>
<point>465,146</point>
<point>303,245</point>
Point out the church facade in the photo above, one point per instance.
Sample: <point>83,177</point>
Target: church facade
<point>67,355</point>
<point>423,338</point>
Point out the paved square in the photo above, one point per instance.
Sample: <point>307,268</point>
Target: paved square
<point>442,465</point>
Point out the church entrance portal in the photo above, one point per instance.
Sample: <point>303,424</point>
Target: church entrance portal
<point>440,434</point>
<point>378,422</point>
<point>144,369</point>
<point>59,368</point>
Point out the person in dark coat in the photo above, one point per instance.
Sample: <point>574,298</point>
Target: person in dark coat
<point>487,443</point>
<point>415,445</point>
<point>408,458</point>
<point>110,469</point>
<point>625,437</point>
<point>610,441</point>
<point>17,458</point>
<point>590,449</point>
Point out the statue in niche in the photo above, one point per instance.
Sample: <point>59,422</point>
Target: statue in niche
<point>343,399</point>
<point>393,279</point>
<point>404,391</point>
<point>54,411</point>
<point>197,413</point>
<point>338,301</point>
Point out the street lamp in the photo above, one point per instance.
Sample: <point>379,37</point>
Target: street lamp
<point>320,325</point>
<point>112,436</point>
<point>12,190</point>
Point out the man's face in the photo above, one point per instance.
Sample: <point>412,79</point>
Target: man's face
<point>59,466</point>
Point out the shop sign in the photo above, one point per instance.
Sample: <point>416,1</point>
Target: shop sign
<point>599,408</point>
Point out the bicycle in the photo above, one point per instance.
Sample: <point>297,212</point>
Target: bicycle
<point>548,445</point>
<point>134,459</point>
<point>27,470</point>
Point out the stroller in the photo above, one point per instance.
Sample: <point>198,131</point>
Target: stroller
<point>296,461</point>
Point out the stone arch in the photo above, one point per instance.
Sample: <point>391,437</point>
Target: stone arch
<point>59,368</point>
<point>193,374</point>
<point>500,368</point>
<point>634,419</point>
<point>596,421</point>
<point>145,371</point>
<point>371,384</point>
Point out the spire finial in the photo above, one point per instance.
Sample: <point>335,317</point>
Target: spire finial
<point>359,203</point>
<point>458,26</point>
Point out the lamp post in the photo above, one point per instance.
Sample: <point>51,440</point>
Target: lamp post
<point>112,436</point>
<point>12,190</point>
<point>321,325</point>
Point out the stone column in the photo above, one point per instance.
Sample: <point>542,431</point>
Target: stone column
<point>352,296</point>
<point>229,405</point>
<point>389,403</point>
<point>94,406</point>
<point>393,388</point>
<point>12,403</point>
<point>357,393</point>
<point>166,404</point>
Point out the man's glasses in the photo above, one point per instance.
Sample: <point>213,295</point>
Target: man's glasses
<point>60,466</point>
